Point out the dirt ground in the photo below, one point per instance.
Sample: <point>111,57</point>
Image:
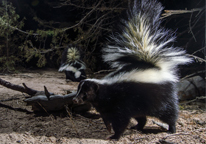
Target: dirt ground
<point>18,124</point>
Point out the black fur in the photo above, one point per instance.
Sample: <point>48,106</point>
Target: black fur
<point>70,74</point>
<point>119,102</point>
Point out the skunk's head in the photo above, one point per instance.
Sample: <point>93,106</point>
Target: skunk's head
<point>87,91</point>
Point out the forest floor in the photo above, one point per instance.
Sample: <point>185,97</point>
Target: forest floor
<point>18,124</point>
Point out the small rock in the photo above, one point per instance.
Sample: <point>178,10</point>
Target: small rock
<point>198,121</point>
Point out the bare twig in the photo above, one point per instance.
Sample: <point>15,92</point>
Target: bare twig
<point>15,28</point>
<point>198,72</point>
<point>190,27</point>
<point>70,116</point>
<point>82,7</point>
<point>52,117</point>
<point>197,98</point>
<point>47,93</point>
<point>175,12</point>
<point>90,32</point>
<point>200,129</point>
<point>176,134</point>
<point>52,49</point>
<point>102,71</point>
<point>197,58</point>
<point>201,49</point>
<point>82,20</point>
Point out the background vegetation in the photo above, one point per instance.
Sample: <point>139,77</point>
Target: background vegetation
<point>33,33</point>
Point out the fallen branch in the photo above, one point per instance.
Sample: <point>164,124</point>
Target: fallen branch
<point>54,103</point>
<point>24,89</point>
<point>46,101</point>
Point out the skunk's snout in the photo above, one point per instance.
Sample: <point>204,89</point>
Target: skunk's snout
<point>75,100</point>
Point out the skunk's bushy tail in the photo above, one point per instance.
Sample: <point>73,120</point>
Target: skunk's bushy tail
<point>143,40</point>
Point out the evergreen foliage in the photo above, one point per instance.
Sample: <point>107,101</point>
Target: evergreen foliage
<point>9,22</point>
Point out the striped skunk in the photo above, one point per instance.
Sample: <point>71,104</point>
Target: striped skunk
<point>144,83</point>
<point>72,64</point>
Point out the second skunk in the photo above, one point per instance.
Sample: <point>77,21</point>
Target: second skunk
<point>72,64</point>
